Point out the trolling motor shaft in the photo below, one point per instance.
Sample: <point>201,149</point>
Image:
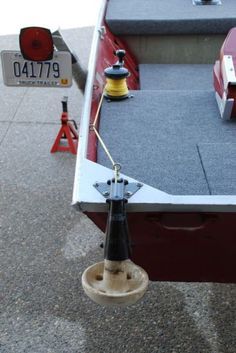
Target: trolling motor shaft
<point>117,245</point>
<point>116,280</point>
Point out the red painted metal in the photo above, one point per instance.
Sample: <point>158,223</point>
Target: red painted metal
<point>196,247</point>
<point>66,132</point>
<point>105,58</point>
<point>217,78</point>
<point>228,48</point>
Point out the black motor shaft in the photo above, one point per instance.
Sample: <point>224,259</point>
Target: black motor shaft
<point>117,245</point>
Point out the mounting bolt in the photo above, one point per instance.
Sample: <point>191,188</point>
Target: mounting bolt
<point>106,193</point>
<point>128,193</point>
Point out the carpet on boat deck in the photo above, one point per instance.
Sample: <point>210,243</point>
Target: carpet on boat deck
<point>162,138</point>
<point>219,163</point>
<point>138,17</point>
<point>168,77</point>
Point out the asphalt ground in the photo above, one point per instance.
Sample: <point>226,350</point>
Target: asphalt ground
<point>45,245</point>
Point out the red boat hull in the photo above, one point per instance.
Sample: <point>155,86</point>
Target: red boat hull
<point>169,246</point>
<point>182,246</point>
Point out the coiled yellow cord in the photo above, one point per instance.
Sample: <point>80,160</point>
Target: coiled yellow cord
<point>116,88</point>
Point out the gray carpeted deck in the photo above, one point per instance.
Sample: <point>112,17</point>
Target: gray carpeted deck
<point>161,138</point>
<point>220,167</point>
<point>175,77</point>
<point>138,17</point>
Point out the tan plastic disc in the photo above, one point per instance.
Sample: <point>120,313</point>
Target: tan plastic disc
<point>115,282</point>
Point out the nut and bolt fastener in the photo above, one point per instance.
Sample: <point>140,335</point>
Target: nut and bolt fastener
<point>106,193</point>
<point>128,193</point>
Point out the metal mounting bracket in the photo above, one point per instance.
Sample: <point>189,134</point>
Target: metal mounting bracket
<point>102,32</point>
<point>130,189</point>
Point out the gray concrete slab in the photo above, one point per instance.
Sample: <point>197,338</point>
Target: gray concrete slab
<point>3,130</point>
<point>43,105</point>
<point>11,97</point>
<point>79,41</point>
<point>10,42</point>
<point>26,159</point>
<point>10,101</point>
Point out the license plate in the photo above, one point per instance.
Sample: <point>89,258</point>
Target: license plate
<point>52,73</point>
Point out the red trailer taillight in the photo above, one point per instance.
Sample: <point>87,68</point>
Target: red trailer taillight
<point>36,43</point>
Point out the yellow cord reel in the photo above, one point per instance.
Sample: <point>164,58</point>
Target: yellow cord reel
<point>116,85</point>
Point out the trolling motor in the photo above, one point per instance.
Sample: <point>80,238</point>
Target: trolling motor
<point>116,280</point>
<point>116,85</point>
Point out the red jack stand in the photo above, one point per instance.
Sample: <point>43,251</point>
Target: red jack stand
<point>67,132</point>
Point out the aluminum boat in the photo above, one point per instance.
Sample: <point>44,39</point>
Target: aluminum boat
<point>174,136</point>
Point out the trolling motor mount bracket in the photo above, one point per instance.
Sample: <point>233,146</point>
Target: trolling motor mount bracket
<point>129,189</point>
